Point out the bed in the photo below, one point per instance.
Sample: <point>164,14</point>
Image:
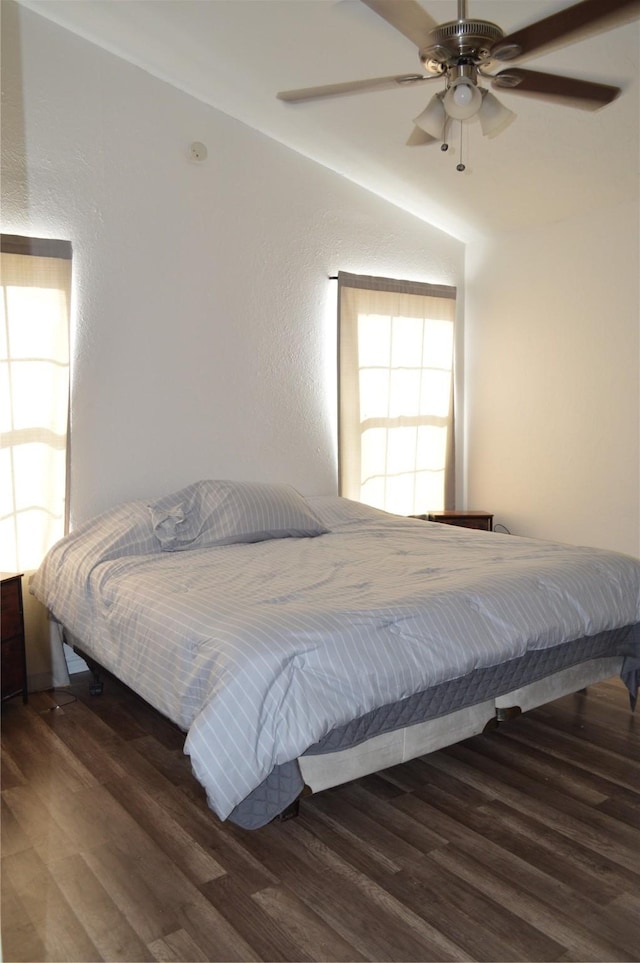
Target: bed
<point>302,642</point>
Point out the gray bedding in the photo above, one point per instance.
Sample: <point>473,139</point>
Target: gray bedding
<point>259,651</point>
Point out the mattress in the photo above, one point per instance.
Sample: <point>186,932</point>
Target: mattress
<point>261,651</point>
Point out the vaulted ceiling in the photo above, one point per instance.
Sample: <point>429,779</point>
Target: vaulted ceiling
<point>552,162</point>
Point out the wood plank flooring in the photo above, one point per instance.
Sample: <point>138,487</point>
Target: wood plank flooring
<point>522,844</point>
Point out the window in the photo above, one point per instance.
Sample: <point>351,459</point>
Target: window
<point>395,421</point>
<point>34,397</point>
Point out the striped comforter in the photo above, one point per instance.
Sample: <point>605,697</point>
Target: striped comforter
<point>258,650</point>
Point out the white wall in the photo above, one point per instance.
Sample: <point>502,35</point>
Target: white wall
<point>203,324</point>
<point>552,386</point>
<point>202,343</point>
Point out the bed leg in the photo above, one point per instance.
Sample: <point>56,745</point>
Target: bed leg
<point>293,809</point>
<point>290,812</point>
<point>96,687</point>
<point>504,713</point>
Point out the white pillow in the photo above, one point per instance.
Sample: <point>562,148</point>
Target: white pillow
<point>225,512</point>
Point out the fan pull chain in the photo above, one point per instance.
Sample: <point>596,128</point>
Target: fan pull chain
<point>444,145</point>
<point>461,167</point>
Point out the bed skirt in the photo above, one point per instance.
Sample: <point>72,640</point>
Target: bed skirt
<point>445,714</point>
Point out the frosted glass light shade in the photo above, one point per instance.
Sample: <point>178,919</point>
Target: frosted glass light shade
<point>433,118</point>
<point>462,100</point>
<point>494,117</point>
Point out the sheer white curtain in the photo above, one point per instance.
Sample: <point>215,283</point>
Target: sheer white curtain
<point>35,276</point>
<point>396,419</point>
<point>34,398</point>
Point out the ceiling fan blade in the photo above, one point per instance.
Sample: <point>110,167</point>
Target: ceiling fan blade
<point>568,90</point>
<point>352,87</point>
<point>566,26</point>
<point>407,16</point>
<point>418,137</point>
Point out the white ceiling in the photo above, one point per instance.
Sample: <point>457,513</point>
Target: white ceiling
<point>551,163</point>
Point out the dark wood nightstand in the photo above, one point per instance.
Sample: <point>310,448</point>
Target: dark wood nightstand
<point>479,520</point>
<point>13,662</point>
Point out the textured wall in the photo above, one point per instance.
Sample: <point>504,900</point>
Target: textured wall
<point>203,323</point>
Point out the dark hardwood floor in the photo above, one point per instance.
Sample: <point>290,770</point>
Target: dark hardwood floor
<point>522,844</point>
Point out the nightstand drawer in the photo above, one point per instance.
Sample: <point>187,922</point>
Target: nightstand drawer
<point>13,667</point>
<point>483,521</point>
<point>11,608</point>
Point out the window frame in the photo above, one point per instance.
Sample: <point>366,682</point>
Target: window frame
<point>349,413</point>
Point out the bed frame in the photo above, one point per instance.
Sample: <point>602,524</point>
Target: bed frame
<point>325,770</point>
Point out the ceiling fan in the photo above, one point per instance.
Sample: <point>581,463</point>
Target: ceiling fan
<point>463,51</point>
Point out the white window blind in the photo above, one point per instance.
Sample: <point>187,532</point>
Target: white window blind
<point>396,425</point>
<point>34,398</point>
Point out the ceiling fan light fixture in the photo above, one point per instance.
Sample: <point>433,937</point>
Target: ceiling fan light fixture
<point>433,118</point>
<point>494,117</point>
<point>463,99</point>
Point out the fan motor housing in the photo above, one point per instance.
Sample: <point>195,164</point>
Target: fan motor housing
<point>449,42</point>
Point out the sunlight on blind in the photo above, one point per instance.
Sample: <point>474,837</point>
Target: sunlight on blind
<point>396,371</point>
<point>34,400</point>
<point>405,372</point>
